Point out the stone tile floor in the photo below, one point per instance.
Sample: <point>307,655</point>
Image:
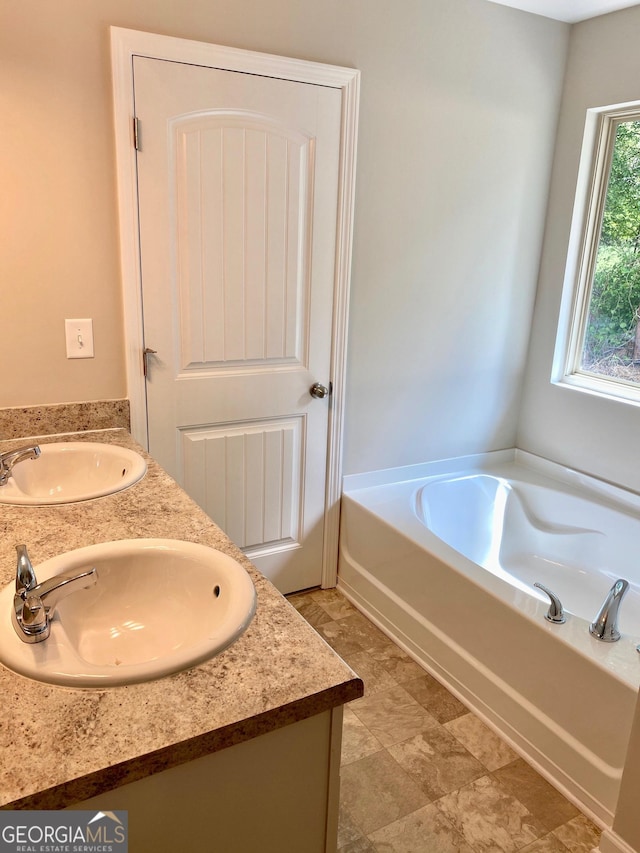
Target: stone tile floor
<point>420,773</point>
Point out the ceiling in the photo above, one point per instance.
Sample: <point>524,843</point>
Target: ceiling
<point>568,10</point>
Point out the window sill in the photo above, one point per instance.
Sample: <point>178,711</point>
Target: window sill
<point>614,391</point>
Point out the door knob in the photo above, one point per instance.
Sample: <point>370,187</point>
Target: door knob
<point>146,352</point>
<point>318,390</point>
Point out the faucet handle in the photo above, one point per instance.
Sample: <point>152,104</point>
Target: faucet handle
<point>605,625</point>
<point>555,613</point>
<point>25,575</point>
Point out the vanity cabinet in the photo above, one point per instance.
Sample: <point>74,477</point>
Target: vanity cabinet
<point>276,793</point>
<point>236,755</point>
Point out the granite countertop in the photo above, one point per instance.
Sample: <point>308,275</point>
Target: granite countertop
<point>60,745</point>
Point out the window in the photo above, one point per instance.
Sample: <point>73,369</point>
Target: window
<point>599,335</point>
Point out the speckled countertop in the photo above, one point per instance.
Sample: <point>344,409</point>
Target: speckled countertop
<point>59,746</point>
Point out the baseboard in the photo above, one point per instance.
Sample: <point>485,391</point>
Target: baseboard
<point>611,842</point>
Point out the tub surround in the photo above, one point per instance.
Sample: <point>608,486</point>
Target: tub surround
<point>87,742</point>
<point>49,420</point>
<point>543,688</point>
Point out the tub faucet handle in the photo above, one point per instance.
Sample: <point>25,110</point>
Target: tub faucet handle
<point>605,625</point>
<point>555,613</point>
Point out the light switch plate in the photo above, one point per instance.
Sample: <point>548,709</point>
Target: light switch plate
<point>79,337</point>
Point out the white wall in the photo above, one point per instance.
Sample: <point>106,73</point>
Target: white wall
<point>458,112</point>
<point>456,141</point>
<point>577,429</point>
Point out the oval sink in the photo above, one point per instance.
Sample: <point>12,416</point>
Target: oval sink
<point>159,606</point>
<point>70,471</point>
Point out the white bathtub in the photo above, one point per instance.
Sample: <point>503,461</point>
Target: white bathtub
<point>443,557</point>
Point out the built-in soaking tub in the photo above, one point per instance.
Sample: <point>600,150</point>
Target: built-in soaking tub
<point>443,557</point>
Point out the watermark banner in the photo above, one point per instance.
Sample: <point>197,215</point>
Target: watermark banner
<point>63,832</point>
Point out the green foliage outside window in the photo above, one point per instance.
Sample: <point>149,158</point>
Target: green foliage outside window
<point>612,339</point>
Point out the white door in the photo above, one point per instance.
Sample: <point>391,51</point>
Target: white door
<point>238,194</point>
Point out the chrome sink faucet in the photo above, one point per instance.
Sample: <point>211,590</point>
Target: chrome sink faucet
<point>34,603</point>
<point>12,457</point>
<point>605,626</point>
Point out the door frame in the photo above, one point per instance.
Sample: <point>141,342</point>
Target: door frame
<point>127,43</point>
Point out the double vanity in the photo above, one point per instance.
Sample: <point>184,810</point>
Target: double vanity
<point>237,752</point>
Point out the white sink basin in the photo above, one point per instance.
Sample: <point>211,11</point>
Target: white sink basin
<point>159,606</point>
<point>71,471</point>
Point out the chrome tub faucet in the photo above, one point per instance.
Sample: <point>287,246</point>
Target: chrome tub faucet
<point>605,625</point>
<point>12,457</point>
<point>34,603</point>
<point>555,613</point>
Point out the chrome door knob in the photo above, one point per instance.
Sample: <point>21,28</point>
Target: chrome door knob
<point>318,390</point>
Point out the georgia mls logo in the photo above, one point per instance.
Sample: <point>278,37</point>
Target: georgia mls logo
<point>101,836</point>
<point>63,832</point>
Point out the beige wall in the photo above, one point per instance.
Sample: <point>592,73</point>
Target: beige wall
<point>458,114</point>
<point>578,429</point>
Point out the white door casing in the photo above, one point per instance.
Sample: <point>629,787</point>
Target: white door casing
<point>262,436</point>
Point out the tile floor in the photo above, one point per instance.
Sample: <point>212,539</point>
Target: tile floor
<point>420,773</point>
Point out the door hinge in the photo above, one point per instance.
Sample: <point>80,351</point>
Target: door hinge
<point>136,133</point>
